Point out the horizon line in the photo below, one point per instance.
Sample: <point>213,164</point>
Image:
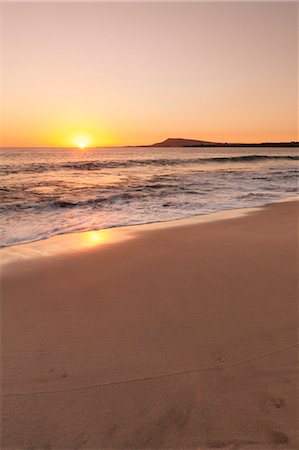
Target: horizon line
<point>205,144</point>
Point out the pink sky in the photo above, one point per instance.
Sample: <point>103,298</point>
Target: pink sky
<point>136,73</point>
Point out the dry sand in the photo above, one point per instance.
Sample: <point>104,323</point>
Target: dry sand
<point>178,338</point>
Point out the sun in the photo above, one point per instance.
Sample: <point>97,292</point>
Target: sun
<point>81,141</point>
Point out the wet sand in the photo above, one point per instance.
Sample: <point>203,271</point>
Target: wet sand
<point>177,336</point>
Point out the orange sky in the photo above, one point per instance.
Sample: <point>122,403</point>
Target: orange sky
<point>137,73</point>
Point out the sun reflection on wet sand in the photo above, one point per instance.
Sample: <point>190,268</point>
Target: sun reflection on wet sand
<point>58,245</point>
<point>92,238</point>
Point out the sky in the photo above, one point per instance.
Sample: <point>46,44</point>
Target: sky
<point>102,74</point>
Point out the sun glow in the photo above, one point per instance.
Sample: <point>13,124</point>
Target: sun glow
<point>81,141</point>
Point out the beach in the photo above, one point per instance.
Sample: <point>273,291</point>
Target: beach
<point>180,335</point>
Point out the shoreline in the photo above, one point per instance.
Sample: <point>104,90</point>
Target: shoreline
<point>78,240</point>
<point>183,337</point>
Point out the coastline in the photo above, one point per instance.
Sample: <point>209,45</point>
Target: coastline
<point>177,335</point>
<point>77,241</point>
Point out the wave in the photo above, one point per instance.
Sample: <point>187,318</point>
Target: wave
<point>98,165</point>
<point>93,202</point>
<point>253,158</point>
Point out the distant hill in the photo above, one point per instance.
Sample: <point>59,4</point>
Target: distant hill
<point>180,142</point>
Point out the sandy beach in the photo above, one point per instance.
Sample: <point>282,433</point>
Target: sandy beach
<point>177,336</point>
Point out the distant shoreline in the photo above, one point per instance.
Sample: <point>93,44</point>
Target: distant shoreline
<point>182,142</point>
<point>275,144</point>
<point>168,144</point>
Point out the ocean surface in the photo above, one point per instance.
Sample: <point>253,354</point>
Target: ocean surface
<point>51,191</point>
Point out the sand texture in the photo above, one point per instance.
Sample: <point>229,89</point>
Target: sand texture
<point>177,338</point>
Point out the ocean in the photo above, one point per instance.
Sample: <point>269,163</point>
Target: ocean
<point>49,191</point>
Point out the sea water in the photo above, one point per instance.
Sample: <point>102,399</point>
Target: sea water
<point>49,191</point>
